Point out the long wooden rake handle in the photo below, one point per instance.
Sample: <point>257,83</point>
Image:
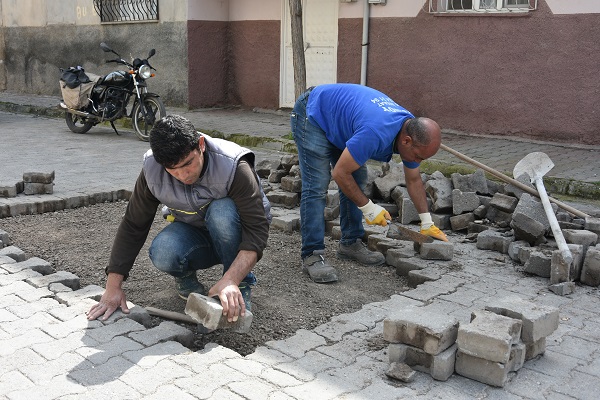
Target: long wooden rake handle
<point>512,181</point>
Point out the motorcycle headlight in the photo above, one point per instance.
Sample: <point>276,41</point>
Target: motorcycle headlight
<point>144,72</point>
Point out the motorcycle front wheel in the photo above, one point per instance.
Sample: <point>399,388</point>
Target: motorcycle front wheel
<point>78,124</point>
<point>155,110</point>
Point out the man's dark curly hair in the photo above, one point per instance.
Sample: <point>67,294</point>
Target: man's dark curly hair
<point>173,138</point>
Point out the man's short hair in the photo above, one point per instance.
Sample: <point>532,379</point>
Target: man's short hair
<point>172,138</point>
<point>417,130</point>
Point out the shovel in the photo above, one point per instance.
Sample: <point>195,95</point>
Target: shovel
<point>536,165</point>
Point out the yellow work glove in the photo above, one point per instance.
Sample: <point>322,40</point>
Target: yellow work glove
<point>429,229</point>
<point>374,214</point>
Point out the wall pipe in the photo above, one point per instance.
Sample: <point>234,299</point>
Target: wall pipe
<point>365,44</point>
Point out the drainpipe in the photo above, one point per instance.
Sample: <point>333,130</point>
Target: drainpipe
<point>365,44</point>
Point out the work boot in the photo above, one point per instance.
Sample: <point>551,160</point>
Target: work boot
<point>358,251</point>
<point>189,284</point>
<point>318,269</point>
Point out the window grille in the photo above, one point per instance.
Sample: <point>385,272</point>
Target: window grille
<point>126,10</point>
<point>481,6</point>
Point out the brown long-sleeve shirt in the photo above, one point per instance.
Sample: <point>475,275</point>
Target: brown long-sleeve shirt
<point>131,235</point>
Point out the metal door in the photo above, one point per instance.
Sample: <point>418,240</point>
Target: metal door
<point>320,26</point>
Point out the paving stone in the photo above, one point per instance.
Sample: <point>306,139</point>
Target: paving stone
<point>437,250</point>
<point>560,270</point>
<point>538,321</point>
<point>504,202</point>
<point>514,248</point>
<point>464,201</point>
<point>494,240</point>
<point>440,190</point>
<point>307,367</point>
<point>38,188</point>
<point>208,312</point>
<point>286,222</point>
<point>592,224</point>
<point>27,339</point>
<point>590,272</point>
<point>428,331</point>
<point>93,292</point>
<point>291,184</point>
<point>442,221</point>
<point>166,331</point>
<point>108,332</point>
<point>404,265</point>
<point>155,354</point>
<point>528,229</point>
<point>539,264</point>
<point>330,213</point>
<point>580,236</point>
<point>417,277</point>
<point>489,336</point>
<point>66,278</point>
<point>400,371</point>
<point>440,366</point>
<point>13,252</point>
<point>38,177</point>
<point>298,344</point>
<point>461,222</point>
<point>487,371</point>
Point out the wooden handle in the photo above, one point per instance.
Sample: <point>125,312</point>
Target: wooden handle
<point>512,181</point>
<point>172,315</point>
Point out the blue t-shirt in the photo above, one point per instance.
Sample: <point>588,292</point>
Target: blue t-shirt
<point>359,118</point>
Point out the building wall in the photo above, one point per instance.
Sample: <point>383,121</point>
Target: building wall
<point>40,36</point>
<point>531,75</point>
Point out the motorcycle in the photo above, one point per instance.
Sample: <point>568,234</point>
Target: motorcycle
<point>89,99</point>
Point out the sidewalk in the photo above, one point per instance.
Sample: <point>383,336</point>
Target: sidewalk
<point>48,350</point>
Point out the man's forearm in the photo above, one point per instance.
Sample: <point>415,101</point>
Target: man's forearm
<point>241,266</point>
<point>416,191</point>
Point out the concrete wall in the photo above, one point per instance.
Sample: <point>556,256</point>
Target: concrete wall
<point>533,75</point>
<point>40,36</point>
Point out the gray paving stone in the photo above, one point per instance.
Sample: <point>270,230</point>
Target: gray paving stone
<point>278,378</point>
<point>107,332</point>
<point>252,389</point>
<point>166,331</point>
<point>94,292</point>
<point>297,345</point>
<point>27,339</point>
<point>66,278</point>
<point>203,385</point>
<point>307,367</point>
<point>147,380</point>
<point>100,353</point>
<point>113,369</point>
<point>324,387</point>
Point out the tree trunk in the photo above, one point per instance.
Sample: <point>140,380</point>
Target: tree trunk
<point>298,47</point>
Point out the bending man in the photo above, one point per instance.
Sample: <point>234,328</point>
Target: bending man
<point>342,126</point>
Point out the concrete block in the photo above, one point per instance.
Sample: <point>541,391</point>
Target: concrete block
<point>4,211</point>
<point>38,188</point>
<point>525,253</point>
<point>265,166</point>
<point>403,248</point>
<point>499,217</point>
<point>209,313</point>
<point>384,185</point>
<point>539,264</point>
<point>288,161</point>
<point>440,366</point>
<point>437,250</point>
<point>487,371</point>
<point>494,240</point>
<point>515,191</point>
<point>464,202</point>
<point>286,222</point>
<point>537,321</point>
<point>514,248</point>
<point>578,253</point>
<point>275,176</point>
<point>535,349</point>
<point>8,191</point>
<point>392,208</point>
<point>333,198</point>
<point>560,270</point>
<point>407,211</point>
<point>442,221</point>
<point>461,222</point>
<point>592,224</point>
<point>405,265</point>
<point>475,182</point>
<point>283,199</point>
<point>372,240</point>
<point>439,189</point>
<point>38,177</point>
<point>5,238</point>
<point>580,236</point>
<point>475,227</point>
<point>331,213</point>
<point>562,288</point>
<point>423,329</point>
<point>419,276</point>
<point>489,336</point>
<point>534,209</point>
<point>63,277</point>
<point>401,371</point>
<point>291,184</point>
<point>590,272</point>
<point>481,211</point>
<point>13,252</point>
<point>504,202</point>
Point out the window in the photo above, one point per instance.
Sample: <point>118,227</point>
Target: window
<point>479,6</point>
<point>126,10</point>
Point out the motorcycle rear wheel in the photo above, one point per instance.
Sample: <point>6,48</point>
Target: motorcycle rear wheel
<point>155,110</point>
<point>78,124</point>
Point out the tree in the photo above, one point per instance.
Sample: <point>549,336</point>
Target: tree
<point>298,47</point>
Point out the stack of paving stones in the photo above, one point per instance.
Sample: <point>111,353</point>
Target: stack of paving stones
<point>497,217</point>
<point>32,183</point>
<point>497,341</point>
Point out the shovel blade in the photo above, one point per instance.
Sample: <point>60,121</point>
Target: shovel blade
<point>535,165</point>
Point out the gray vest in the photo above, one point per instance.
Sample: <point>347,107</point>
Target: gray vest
<point>188,203</point>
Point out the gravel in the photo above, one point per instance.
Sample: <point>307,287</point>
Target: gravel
<point>285,299</point>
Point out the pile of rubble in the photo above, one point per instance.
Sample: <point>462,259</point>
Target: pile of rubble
<point>32,183</point>
<point>497,341</point>
<point>498,217</point>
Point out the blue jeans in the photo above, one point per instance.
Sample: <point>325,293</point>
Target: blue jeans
<point>181,248</point>
<point>316,158</point>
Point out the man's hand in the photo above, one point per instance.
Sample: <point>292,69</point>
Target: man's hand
<point>434,232</point>
<point>230,297</point>
<point>113,298</point>
<point>375,214</point>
